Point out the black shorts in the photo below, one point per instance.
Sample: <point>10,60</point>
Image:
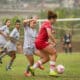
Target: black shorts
<point>67,43</point>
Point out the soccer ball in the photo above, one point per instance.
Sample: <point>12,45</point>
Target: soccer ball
<point>60,69</point>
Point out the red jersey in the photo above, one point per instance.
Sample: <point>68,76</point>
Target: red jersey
<point>43,35</point>
<point>42,38</point>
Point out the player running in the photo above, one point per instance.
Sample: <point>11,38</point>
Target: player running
<point>29,45</point>
<point>10,47</point>
<point>4,33</point>
<point>46,48</point>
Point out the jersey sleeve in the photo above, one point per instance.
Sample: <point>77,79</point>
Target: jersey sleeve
<point>5,30</point>
<point>2,28</point>
<point>12,33</point>
<point>47,26</point>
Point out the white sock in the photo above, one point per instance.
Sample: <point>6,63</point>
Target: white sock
<point>52,66</point>
<point>36,65</point>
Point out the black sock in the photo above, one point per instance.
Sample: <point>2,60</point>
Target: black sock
<point>70,50</point>
<point>65,49</point>
<point>27,69</point>
<point>10,64</point>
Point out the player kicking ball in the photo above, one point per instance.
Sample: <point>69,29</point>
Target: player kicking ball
<point>29,48</point>
<point>43,45</point>
<point>10,47</point>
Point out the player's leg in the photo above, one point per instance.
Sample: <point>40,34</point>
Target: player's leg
<point>1,48</point>
<point>65,48</point>
<point>3,53</point>
<point>44,57</point>
<point>53,55</point>
<point>30,63</point>
<point>70,47</point>
<point>41,55</point>
<point>29,56</point>
<point>12,54</point>
<point>49,50</point>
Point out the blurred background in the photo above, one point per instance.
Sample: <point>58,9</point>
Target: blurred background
<point>20,9</point>
<point>31,7</point>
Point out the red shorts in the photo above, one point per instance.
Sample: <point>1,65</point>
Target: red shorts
<point>41,45</point>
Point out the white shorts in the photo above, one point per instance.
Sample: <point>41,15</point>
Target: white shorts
<point>29,51</point>
<point>2,44</point>
<point>10,46</point>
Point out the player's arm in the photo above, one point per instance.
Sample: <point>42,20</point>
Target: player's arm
<point>5,35</point>
<point>12,36</point>
<point>50,35</point>
<point>13,39</point>
<point>26,22</point>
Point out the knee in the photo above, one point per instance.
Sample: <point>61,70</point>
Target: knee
<point>47,58</point>
<point>14,56</point>
<point>31,64</point>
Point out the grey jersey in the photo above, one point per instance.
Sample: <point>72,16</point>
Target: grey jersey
<point>3,39</point>
<point>15,34</point>
<point>29,37</point>
<point>10,45</point>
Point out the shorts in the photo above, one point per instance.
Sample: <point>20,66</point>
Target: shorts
<point>9,53</point>
<point>2,44</point>
<point>11,46</point>
<point>41,45</point>
<point>67,43</point>
<point>29,51</point>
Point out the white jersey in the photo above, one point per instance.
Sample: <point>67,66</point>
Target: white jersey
<point>15,34</point>
<point>29,37</point>
<point>11,46</point>
<point>3,39</point>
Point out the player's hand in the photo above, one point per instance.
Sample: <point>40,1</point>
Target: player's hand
<point>55,41</point>
<point>25,22</point>
<point>53,44</point>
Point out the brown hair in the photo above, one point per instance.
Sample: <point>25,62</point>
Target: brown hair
<point>17,21</point>
<point>7,20</point>
<point>52,15</point>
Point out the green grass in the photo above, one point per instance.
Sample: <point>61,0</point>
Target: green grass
<point>71,63</point>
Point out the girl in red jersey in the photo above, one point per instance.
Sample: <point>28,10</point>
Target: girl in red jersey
<point>43,45</point>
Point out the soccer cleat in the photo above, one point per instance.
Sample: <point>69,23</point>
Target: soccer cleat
<point>53,73</point>
<point>8,68</point>
<point>41,67</point>
<point>32,71</point>
<point>0,61</point>
<point>27,74</point>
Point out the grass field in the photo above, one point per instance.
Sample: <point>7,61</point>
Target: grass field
<point>70,61</point>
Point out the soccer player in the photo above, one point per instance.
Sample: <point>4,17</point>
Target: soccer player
<point>11,44</point>
<point>47,49</point>
<point>4,33</point>
<point>67,42</point>
<point>29,45</point>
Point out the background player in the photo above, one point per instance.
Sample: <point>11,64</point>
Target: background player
<point>67,42</point>
<point>11,44</point>
<point>4,33</point>
<point>44,46</point>
<point>29,45</point>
